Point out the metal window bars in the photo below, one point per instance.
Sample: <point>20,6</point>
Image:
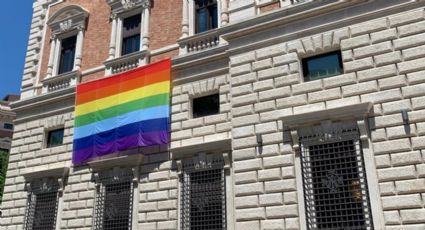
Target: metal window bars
<point>203,196</point>
<point>334,179</point>
<point>114,200</point>
<point>42,204</point>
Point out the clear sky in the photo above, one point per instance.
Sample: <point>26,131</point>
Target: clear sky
<point>15,22</point>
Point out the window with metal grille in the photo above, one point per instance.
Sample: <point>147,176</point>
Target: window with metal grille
<point>114,202</point>
<point>67,55</point>
<point>205,106</point>
<point>206,15</point>
<point>334,178</point>
<point>203,197</point>
<point>42,205</point>
<point>131,34</point>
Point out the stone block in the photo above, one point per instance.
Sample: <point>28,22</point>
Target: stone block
<point>247,165</point>
<point>410,186</point>
<point>384,35</point>
<point>246,202</point>
<point>282,211</point>
<point>271,199</point>
<point>375,49</point>
<point>269,174</point>
<point>412,216</point>
<point>359,64</point>
<point>401,202</point>
<point>360,88</point>
<point>397,173</point>
<point>410,41</point>
<point>280,186</point>
<point>354,42</point>
<point>376,73</point>
<point>369,27</point>
<point>249,189</point>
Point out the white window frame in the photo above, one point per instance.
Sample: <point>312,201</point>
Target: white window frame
<point>67,22</point>
<point>188,19</point>
<point>124,9</point>
<point>357,113</point>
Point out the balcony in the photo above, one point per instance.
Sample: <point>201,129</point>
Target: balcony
<point>126,62</point>
<point>61,81</point>
<point>200,42</point>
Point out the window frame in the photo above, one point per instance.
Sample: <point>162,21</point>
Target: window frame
<point>59,63</point>
<point>204,158</point>
<point>192,103</point>
<point>356,113</point>
<point>47,137</point>
<point>114,176</point>
<point>315,138</point>
<point>8,126</point>
<point>306,72</point>
<point>209,15</point>
<point>191,16</point>
<point>67,22</point>
<point>133,34</point>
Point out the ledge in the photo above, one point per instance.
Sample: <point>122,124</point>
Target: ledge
<point>52,172</point>
<point>357,111</point>
<point>128,160</point>
<point>189,150</point>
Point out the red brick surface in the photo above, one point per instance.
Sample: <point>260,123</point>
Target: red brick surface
<point>165,29</point>
<point>270,7</point>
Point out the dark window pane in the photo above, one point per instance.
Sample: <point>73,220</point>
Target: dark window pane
<point>8,126</point>
<point>131,34</point>
<point>206,15</point>
<point>322,66</point>
<point>204,106</point>
<point>67,56</point>
<point>131,44</point>
<point>55,138</point>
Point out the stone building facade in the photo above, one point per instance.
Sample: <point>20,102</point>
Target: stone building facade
<point>287,149</point>
<point>6,122</point>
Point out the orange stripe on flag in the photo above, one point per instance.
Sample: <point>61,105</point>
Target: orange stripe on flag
<point>124,86</point>
<point>117,79</point>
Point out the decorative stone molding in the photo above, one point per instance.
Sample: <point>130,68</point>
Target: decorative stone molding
<point>68,18</point>
<point>204,161</point>
<point>328,122</point>
<point>190,150</point>
<point>46,179</point>
<point>120,6</point>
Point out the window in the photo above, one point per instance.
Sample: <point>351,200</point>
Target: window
<point>131,34</point>
<point>67,54</point>
<point>203,196</point>
<point>42,205</point>
<point>204,106</point>
<point>322,66</point>
<point>206,15</point>
<point>114,202</point>
<point>55,138</point>
<point>8,126</point>
<point>334,179</point>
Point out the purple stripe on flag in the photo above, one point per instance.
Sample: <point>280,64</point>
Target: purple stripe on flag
<point>125,143</point>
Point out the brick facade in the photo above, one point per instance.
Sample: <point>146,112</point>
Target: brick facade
<point>259,77</point>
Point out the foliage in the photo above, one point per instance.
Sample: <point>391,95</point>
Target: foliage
<point>4,159</point>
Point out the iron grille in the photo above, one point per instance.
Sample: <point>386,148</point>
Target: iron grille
<point>114,202</point>
<point>42,205</point>
<point>203,198</point>
<point>335,186</point>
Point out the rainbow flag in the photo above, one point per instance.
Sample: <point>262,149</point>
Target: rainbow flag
<point>121,112</point>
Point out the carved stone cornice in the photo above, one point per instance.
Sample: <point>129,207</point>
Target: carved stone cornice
<point>120,6</point>
<point>68,18</point>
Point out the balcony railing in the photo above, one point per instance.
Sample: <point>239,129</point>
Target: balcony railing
<point>200,42</point>
<point>61,81</point>
<point>126,62</point>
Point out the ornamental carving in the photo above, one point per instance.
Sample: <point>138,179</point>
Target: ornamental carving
<point>128,4</point>
<point>65,25</point>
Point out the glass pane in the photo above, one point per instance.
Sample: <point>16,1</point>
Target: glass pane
<point>67,56</point>
<point>202,20</point>
<point>204,106</point>
<point>55,138</point>
<point>322,66</point>
<point>213,16</point>
<point>132,22</point>
<point>131,44</point>
<point>8,126</point>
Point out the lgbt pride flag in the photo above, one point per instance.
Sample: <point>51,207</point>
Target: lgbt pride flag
<point>128,110</point>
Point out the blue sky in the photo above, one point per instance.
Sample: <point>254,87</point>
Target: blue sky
<point>15,21</point>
